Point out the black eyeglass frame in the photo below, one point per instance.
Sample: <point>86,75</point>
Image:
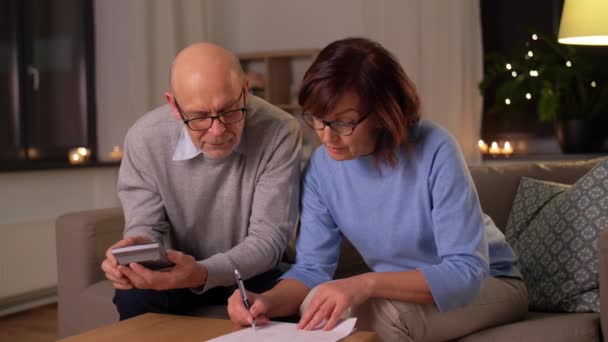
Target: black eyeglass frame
<point>218,116</point>
<point>333,124</point>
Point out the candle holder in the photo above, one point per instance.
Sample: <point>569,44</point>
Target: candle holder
<point>507,150</point>
<point>495,150</point>
<point>483,147</point>
<point>115,154</point>
<point>78,155</point>
<point>33,153</point>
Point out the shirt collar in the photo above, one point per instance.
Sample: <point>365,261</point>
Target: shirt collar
<point>185,149</point>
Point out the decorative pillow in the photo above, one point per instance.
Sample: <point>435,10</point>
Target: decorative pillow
<point>554,229</point>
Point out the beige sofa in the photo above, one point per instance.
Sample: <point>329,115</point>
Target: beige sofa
<point>85,298</point>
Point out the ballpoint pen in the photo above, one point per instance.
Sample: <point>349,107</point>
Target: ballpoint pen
<point>239,282</point>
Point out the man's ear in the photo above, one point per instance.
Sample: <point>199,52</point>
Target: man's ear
<point>171,101</point>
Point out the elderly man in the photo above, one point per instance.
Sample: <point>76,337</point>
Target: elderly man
<point>215,175</point>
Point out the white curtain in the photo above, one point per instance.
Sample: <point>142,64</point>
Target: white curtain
<point>135,43</point>
<point>439,45</point>
<point>437,41</point>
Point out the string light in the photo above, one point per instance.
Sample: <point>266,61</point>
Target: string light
<point>508,66</point>
<point>533,73</point>
<point>528,96</point>
<point>508,101</point>
<point>568,64</point>
<point>534,36</point>
<point>530,54</point>
<point>593,84</point>
<point>514,74</point>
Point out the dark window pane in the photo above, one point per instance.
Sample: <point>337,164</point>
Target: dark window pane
<point>506,26</point>
<point>57,117</point>
<point>46,82</point>
<point>9,89</point>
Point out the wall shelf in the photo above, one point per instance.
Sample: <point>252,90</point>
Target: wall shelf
<point>275,75</point>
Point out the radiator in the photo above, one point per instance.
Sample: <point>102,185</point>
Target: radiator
<point>30,202</point>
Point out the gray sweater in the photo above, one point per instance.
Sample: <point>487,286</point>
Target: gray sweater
<point>235,212</point>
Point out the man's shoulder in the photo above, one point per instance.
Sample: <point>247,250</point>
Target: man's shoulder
<point>268,114</point>
<point>156,123</point>
<point>265,120</point>
<point>156,132</point>
<point>157,117</point>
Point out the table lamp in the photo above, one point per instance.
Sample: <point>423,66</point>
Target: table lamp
<point>584,22</point>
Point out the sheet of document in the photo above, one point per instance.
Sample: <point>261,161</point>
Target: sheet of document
<point>279,331</point>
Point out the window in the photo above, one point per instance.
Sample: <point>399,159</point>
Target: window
<point>46,81</point>
<point>507,27</point>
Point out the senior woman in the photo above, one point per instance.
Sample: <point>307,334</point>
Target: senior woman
<point>397,187</point>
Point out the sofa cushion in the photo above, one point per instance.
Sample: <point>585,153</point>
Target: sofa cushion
<point>554,228</point>
<point>543,327</point>
<point>502,180</point>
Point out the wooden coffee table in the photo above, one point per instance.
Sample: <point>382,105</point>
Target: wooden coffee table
<point>156,327</point>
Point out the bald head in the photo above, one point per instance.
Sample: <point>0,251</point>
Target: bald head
<point>208,81</point>
<point>205,68</point>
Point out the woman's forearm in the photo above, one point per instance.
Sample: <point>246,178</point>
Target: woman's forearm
<point>406,286</point>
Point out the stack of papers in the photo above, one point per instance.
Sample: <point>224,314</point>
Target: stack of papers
<point>279,331</point>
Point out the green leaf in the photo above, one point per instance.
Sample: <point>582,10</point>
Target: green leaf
<point>562,91</point>
<point>547,103</point>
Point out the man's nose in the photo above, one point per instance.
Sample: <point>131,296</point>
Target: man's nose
<point>217,127</point>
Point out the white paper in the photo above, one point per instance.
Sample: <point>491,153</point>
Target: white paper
<point>279,331</point>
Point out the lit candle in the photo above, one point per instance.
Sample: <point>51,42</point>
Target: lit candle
<point>83,151</point>
<point>75,158</point>
<point>115,154</point>
<point>507,149</point>
<point>494,149</point>
<point>33,153</point>
<point>78,155</point>
<point>483,147</point>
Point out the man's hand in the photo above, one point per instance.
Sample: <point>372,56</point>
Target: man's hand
<point>240,315</point>
<point>110,265</point>
<point>332,299</point>
<point>186,273</point>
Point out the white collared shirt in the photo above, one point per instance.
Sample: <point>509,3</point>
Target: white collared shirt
<point>185,149</point>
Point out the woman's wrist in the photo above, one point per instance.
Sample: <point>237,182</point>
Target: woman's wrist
<point>369,283</point>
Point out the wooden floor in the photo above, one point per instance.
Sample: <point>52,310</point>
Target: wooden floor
<point>35,325</point>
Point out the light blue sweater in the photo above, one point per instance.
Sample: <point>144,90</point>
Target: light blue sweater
<point>424,214</point>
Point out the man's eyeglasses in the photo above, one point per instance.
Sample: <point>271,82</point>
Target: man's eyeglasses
<point>339,128</point>
<point>227,117</point>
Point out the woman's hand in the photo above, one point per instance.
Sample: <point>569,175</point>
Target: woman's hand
<point>240,315</point>
<point>332,299</point>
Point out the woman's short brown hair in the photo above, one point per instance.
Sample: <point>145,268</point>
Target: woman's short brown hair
<point>371,72</point>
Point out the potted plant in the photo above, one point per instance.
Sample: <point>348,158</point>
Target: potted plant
<point>558,82</point>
